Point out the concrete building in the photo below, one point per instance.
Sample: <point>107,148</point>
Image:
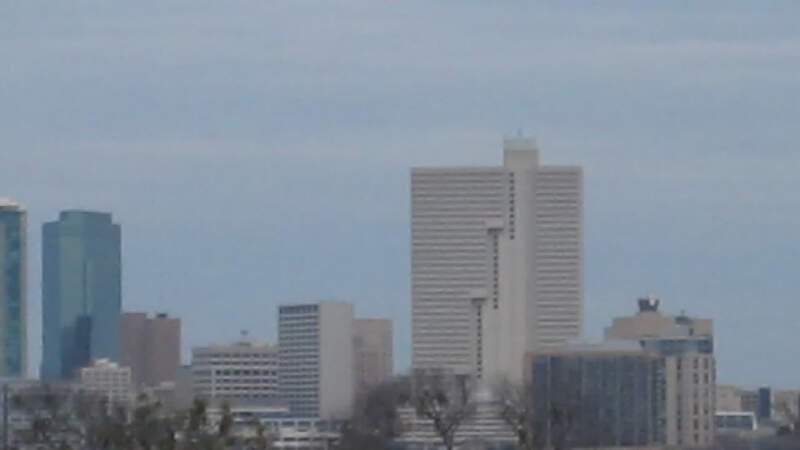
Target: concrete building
<point>613,394</point>
<point>244,370</point>
<point>151,347</point>
<point>373,351</point>
<point>687,346</point>
<point>81,292</point>
<point>750,401</point>
<point>497,262</point>
<point>729,398</point>
<point>316,375</point>
<point>13,290</point>
<point>108,379</point>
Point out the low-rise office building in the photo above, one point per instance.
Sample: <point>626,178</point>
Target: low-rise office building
<point>108,379</point>
<point>243,370</point>
<point>602,395</point>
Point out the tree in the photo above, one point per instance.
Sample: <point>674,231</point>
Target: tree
<point>49,410</point>
<point>792,417</point>
<point>516,410</point>
<point>375,421</point>
<point>261,440</point>
<point>445,400</point>
<point>562,420</point>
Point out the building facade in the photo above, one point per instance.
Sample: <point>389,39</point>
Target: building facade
<point>606,395</point>
<point>764,403</point>
<point>245,370</point>
<point>497,262</point>
<point>686,345</point>
<point>729,398</point>
<point>485,426</point>
<point>151,347</point>
<point>81,292</point>
<point>108,379</point>
<point>373,352</point>
<point>316,375</point>
<point>13,290</point>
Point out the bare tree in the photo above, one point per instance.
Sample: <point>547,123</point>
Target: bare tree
<point>791,416</point>
<point>516,409</point>
<point>49,409</point>
<point>445,400</point>
<point>375,421</point>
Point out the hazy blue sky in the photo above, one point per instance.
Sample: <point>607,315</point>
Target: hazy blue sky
<point>258,152</point>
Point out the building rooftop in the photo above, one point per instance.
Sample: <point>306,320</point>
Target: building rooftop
<point>6,203</point>
<point>583,347</point>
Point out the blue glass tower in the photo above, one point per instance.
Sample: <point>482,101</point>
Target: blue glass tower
<point>81,292</point>
<point>13,329</point>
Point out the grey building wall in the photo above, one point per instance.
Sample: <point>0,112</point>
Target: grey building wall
<point>599,399</point>
<point>13,290</point>
<point>81,292</point>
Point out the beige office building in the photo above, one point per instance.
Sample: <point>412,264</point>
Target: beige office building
<point>373,352</point>
<point>108,379</point>
<point>687,346</point>
<point>151,347</point>
<point>497,262</point>
<point>316,371</point>
<point>245,370</point>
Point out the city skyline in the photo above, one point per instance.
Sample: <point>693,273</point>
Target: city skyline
<point>250,168</point>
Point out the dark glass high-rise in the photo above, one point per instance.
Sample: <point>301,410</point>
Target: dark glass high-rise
<point>81,292</point>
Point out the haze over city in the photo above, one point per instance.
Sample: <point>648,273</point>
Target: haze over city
<point>258,153</point>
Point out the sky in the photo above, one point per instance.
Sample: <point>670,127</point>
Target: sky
<point>257,152</point>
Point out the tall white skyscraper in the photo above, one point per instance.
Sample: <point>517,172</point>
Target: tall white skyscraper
<point>316,359</point>
<point>496,262</point>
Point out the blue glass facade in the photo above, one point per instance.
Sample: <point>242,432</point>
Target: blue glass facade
<point>13,329</point>
<point>81,292</point>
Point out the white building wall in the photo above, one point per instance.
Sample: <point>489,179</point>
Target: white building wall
<point>559,255</point>
<point>497,262</point>
<point>316,369</point>
<point>450,254</point>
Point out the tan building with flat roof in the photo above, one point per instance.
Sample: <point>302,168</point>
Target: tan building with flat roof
<point>687,346</point>
<point>729,398</point>
<point>373,351</point>
<point>151,347</point>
